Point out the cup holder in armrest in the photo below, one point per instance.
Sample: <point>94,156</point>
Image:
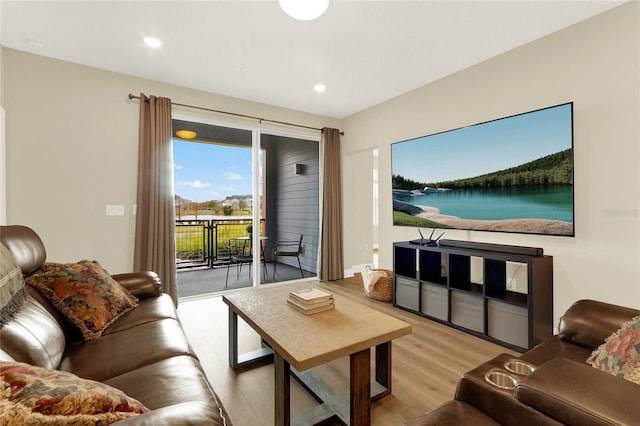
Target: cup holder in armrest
<point>501,379</point>
<point>519,367</point>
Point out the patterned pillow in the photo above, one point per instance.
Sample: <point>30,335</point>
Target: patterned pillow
<point>85,293</point>
<point>34,395</point>
<point>620,353</point>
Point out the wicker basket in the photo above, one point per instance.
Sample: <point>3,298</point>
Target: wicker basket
<point>378,283</point>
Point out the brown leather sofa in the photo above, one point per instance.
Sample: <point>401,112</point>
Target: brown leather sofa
<point>562,389</point>
<point>144,353</point>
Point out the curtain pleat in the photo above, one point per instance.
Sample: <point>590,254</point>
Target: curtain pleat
<point>155,217</point>
<point>331,251</point>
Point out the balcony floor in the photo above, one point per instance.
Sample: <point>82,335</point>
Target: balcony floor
<point>204,280</point>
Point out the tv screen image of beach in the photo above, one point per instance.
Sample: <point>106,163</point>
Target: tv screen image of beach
<point>513,174</point>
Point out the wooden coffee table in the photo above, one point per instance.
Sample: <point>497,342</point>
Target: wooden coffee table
<point>298,342</point>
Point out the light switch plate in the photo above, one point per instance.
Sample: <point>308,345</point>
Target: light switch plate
<point>115,210</point>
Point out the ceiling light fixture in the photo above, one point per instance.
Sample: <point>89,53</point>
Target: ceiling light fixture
<point>152,42</point>
<point>319,87</point>
<point>304,10</point>
<point>186,134</point>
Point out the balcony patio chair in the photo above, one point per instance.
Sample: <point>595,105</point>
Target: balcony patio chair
<point>287,248</point>
<point>239,254</point>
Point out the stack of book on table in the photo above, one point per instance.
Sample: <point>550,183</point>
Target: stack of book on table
<point>310,300</point>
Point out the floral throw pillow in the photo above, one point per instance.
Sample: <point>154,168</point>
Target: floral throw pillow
<point>37,396</point>
<point>620,353</point>
<point>85,293</point>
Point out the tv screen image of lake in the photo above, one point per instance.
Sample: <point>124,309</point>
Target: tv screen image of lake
<point>513,174</point>
<point>551,202</point>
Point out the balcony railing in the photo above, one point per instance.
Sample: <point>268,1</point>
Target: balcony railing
<point>205,242</point>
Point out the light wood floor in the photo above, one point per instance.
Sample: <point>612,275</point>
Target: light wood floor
<point>426,364</point>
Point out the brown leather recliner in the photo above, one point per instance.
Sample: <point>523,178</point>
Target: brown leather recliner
<point>563,388</point>
<point>144,353</point>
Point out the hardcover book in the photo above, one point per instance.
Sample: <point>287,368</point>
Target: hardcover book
<point>309,296</point>
<point>321,307</point>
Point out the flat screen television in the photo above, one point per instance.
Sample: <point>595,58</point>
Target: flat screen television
<point>513,174</point>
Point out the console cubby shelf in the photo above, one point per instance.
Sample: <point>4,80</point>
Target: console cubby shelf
<point>497,295</point>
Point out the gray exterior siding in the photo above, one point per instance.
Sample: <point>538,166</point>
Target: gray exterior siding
<point>293,200</point>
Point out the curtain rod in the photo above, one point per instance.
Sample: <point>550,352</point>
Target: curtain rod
<point>235,114</point>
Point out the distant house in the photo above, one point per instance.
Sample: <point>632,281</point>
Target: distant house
<point>235,200</point>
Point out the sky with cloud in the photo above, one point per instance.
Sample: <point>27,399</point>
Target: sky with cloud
<point>486,147</point>
<point>204,172</point>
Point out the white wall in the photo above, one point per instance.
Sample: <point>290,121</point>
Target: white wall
<point>3,170</point>
<point>72,149</point>
<point>595,64</point>
<point>3,154</point>
<point>72,145</point>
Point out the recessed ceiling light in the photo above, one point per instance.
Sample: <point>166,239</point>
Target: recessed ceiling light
<point>152,42</point>
<point>319,87</point>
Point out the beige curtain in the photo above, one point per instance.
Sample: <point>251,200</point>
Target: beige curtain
<point>331,256</point>
<point>155,218</point>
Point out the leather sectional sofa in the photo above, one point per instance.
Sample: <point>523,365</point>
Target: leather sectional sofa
<point>562,389</point>
<point>144,353</point>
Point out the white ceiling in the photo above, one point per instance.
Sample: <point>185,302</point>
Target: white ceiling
<point>365,52</point>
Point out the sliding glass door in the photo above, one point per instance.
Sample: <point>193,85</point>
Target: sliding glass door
<point>247,207</point>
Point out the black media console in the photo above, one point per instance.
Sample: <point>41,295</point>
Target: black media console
<point>498,292</point>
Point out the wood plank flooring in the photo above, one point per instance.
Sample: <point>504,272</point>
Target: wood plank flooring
<point>426,364</point>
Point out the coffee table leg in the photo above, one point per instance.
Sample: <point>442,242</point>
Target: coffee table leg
<point>233,339</point>
<point>383,369</point>
<point>282,391</point>
<point>360,409</point>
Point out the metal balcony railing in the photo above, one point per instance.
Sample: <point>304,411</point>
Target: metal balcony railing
<point>205,242</point>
